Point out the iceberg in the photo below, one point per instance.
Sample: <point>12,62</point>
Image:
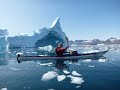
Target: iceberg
<point>42,37</point>
<point>3,40</point>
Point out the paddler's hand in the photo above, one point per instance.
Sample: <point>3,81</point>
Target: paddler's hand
<point>67,46</point>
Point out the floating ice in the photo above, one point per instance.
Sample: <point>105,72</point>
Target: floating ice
<point>15,69</point>
<point>87,60</point>
<point>102,60</point>
<point>66,72</point>
<point>61,77</point>
<point>51,89</point>
<point>77,86</point>
<point>3,89</point>
<point>45,64</point>
<point>49,75</point>
<point>46,48</point>
<point>76,80</point>
<point>75,73</point>
<point>90,66</point>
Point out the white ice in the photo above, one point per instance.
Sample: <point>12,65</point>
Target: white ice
<point>49,75</point>
<point>51,89</point>
<point>15,69</point>
<point>77,86</point>
<point>76,80</point>
<point>46,48</point>
<point>66,72</point>
<point>87,60</point>
<point>90,66</point>
<point>102,60</point>
<point>45,64</point>
<point>61,77</point>
<point>3,89</point>
<point>75,73</point>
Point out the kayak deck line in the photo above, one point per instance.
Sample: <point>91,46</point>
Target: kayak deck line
<point>64,57</point>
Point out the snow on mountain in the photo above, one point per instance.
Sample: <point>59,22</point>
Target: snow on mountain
<point>43,37</point>
<point>112,39</point>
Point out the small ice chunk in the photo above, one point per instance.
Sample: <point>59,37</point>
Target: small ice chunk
<point>49,75</point>
<point>76,80</point>
<point>15,69</point>
<point>87,60</point>
<point>3,89</point>
<point>66,72</point>
<point>51,89</point>
<point>90,66</point>
<point>61,77</point>
<point>102,60</point>
<point>45,64</point>
<point>77,86</point>
<point>75,73</point>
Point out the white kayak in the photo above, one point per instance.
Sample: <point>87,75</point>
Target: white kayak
<point>94,55</point>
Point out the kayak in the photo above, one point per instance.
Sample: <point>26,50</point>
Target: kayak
<point>94,55</point>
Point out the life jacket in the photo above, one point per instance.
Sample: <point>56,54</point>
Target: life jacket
<point>60,51</point>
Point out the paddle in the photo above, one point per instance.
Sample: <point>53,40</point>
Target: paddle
<point>68,44</point>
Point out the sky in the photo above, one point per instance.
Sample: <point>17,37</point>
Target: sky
<point>80,19</point>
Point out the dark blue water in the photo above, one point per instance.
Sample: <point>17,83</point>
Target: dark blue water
<point>43,75</point>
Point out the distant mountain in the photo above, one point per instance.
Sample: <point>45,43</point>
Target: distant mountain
<point>95,41</point>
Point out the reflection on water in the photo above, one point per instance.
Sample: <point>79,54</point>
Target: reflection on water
<point>101,74</point>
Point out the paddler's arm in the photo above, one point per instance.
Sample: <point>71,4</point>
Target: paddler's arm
<point>66,48</point>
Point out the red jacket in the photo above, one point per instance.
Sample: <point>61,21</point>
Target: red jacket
<point>59,51</point>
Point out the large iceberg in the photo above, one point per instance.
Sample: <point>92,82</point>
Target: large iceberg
<point>40,38</point>
<point>3,39</point>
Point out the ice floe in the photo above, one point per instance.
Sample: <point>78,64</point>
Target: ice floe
<point>76,80</point>
<point>15,69</point>
<point>61,77</point>
<point>77,86</point>
<point>45,64</point>
<point>66,72</point>
<point>102,60</point>
<point>51,89</point>
<point>3,89</point>
<point>75,73</point>
<point>90,66</point>
<point>49,75</point>
<point>87,60</point>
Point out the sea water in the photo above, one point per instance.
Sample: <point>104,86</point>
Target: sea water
<point>101,74</point>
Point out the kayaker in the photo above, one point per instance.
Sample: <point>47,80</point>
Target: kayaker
<point>60,50</point>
